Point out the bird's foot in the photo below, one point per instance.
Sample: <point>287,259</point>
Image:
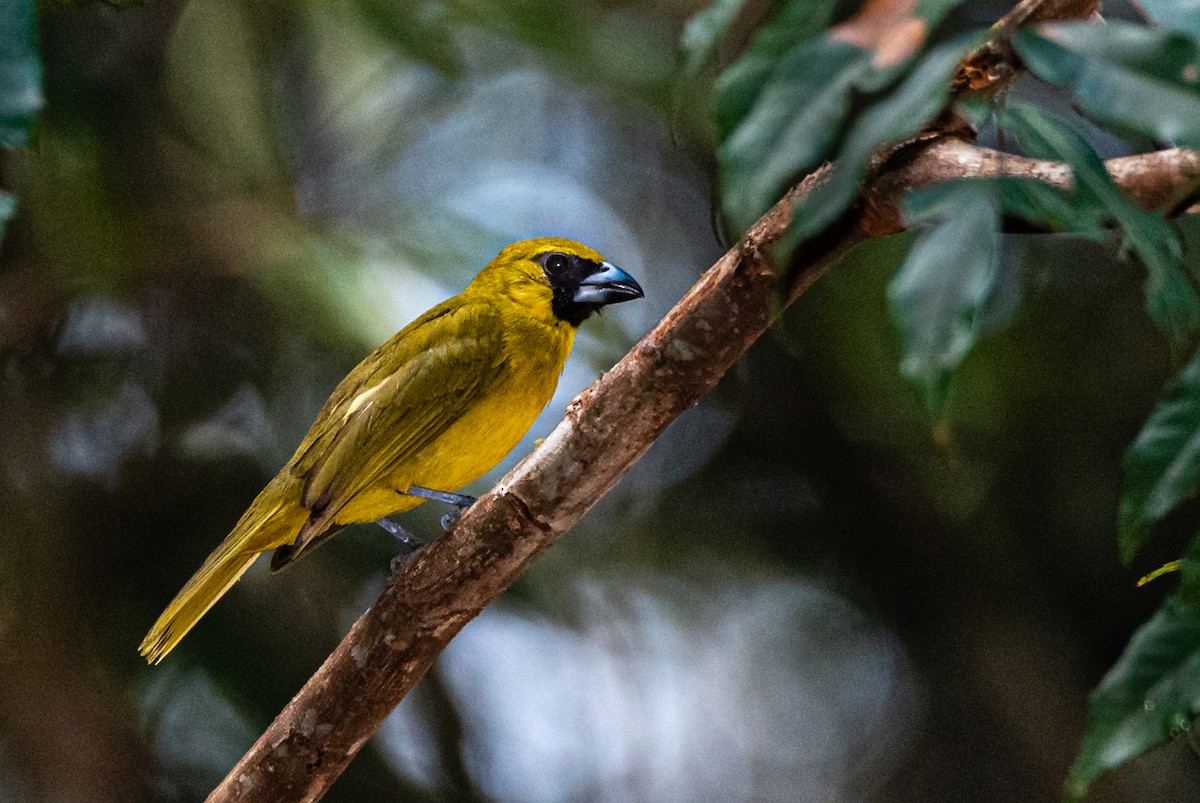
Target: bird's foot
<point>451,518</point>
<point>410,542</point>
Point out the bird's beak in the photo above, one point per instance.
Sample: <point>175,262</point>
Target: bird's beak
<point>609,285</point>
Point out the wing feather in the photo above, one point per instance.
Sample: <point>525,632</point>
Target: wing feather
<point>367,431</point>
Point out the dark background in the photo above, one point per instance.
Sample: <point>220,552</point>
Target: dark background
<point>808,589</point>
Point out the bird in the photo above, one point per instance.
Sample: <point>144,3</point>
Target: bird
<point>434,408</point>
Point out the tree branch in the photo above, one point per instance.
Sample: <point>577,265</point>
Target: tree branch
<point>446,584</point>
<point>1156,181</point>
<point>995,65</point>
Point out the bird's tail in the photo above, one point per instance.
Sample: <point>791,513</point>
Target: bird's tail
<point>272,519</point>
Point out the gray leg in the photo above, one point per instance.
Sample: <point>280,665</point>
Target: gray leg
<point>460,502</point>
<point>402,535</point>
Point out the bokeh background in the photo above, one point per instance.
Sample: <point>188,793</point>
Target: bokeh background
<point>806,591</point>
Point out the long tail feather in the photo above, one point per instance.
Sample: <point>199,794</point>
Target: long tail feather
<point>206,587</point>
<point>270,522</point>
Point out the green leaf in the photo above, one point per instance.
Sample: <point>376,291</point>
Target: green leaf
<point>20,71</point>
<point>1129,78</point>
<point>738,87</point>
<point>1038,202</point>
<point>792,126</point>
<point>702,33</point>
<point>424,36</point>
<point>917,99</point>
<point>939,291</point>
<point>8,205</point>
<point>1162,465</point>
<point>1147,698</point>
<point>782,108</point>
<point>1046,205</point>
<point>1181,15</point>
<point>1154,53</point>
<point>1171,297</point>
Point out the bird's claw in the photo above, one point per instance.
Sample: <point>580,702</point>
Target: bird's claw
<point>451,518</point>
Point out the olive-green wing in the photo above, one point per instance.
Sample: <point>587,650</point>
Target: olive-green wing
<point>424,382</point>
<point>373,369</point>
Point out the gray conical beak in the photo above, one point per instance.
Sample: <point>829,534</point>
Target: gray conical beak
<point>609,285</point>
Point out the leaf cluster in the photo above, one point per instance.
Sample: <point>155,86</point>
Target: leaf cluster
<point>812,87</point>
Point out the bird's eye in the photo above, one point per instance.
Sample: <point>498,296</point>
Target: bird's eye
<point>557,264</point>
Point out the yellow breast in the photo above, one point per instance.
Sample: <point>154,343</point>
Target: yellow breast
<point>478,440</point>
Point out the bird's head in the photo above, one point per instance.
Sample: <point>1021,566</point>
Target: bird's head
<point>560,279</point>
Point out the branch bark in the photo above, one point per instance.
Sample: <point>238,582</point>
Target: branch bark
<point>446,584</point>
<point>995,65</point>
<point>1156,181</point>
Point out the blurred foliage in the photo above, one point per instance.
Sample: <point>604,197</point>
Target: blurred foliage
<point>20,84</point>
<point>803,94</point>
<point>20,71</point>
<point>938,318</point>
<point>1129,78</point>
<point>785,105</point>
<point>1177,15</point>
<point>916,99</point>
<point>1148,697</point>
<point>1171,296</point>
<point>1161,468</point>
<point>828,581</point>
